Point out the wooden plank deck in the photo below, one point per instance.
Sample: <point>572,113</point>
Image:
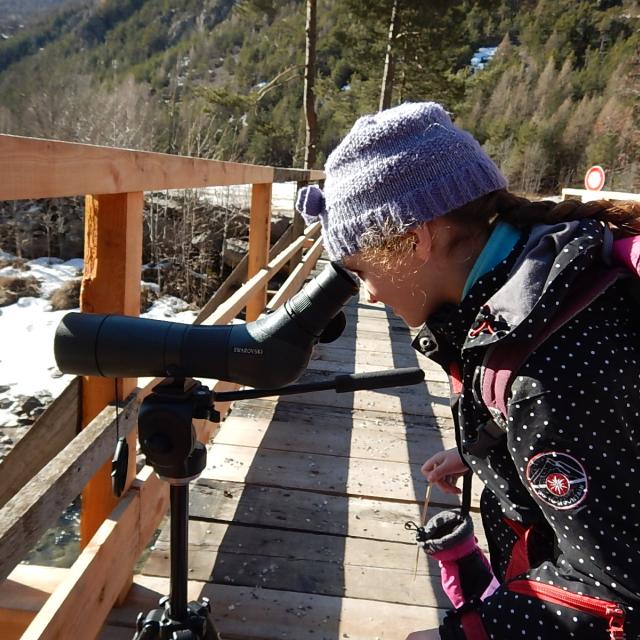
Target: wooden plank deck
<point>296,524</point>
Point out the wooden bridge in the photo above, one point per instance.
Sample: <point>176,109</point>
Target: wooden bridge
<point>297,523</point>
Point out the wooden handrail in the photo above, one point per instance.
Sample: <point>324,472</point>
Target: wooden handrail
<point>297,276</point>
<point>259,242</point>
<point>237,276</point>
<point>25,517</point>
<point>33,168</point>
<point>49,434</point>
<point>229,309</point>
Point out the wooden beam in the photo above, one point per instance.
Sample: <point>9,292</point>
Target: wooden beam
<point>297,175</point>
<point>113,254</point>
<point>81,603</point>
<point>29,585</point>
<point>259,241</point>
<point>26,517</point>
<point>237,276</point>
<point>110,284</point>
<point>231,307</point>
<point>34,168</point>
<point>50,433</point>
<point>298,225</point>
<point>23,594</point>
<point>298,276</point>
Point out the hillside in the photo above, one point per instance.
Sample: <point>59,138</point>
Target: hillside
<point>16,14</point>
<point>562,93</point>
<point>223,78</point>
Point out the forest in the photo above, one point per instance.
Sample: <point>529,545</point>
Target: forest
<point>224,78</point>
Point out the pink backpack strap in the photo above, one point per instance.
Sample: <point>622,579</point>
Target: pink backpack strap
<point>626,251</point>
<point>504,359</point>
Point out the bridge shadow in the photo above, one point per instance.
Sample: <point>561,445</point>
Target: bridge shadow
<point>285,539</point>
<point>425,409</point>
<point>311,523</point>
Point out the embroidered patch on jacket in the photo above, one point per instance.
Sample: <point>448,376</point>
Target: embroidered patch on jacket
<point>557,479</point>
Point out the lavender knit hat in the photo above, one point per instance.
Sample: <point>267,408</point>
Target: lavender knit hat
<point>408,165</point>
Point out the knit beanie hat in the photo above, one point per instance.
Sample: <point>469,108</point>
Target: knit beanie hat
<point>406,165</point>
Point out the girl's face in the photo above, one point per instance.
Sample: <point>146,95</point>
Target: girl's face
<point>398,286</point>
<point>431,272</point>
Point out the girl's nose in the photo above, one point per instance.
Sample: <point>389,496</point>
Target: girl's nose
<point>371,298</point>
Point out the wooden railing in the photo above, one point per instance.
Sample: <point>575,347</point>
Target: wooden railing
<point>587,196</point>
<point>67,450</point>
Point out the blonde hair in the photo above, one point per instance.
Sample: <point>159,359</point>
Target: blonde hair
<point>386,247</point>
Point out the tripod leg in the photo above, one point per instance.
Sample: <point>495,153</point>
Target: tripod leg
<point>179,496</point>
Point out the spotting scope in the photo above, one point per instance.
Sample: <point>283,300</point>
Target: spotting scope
<point>269,352</point>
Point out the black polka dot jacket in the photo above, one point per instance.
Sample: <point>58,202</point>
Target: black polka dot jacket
<point>561,472</point>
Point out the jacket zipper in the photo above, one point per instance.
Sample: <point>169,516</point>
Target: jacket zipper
<point>610,611</point>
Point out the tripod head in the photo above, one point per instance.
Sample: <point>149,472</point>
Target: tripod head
<point>165,429</point>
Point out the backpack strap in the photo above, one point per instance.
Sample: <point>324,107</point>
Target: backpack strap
<point>503,360</point>
<point>466,494</point>
<point>626,251</point>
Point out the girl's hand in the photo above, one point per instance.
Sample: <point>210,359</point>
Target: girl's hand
<point>443,469</point>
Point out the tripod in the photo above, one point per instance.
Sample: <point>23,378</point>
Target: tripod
<point>167,438</point>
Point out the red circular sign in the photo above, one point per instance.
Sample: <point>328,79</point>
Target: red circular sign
<point>558,484</point>
<point>594,178</point>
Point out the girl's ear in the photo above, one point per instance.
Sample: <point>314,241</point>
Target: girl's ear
<point>422,242</point>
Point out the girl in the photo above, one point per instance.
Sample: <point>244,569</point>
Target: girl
<point>420,213</point>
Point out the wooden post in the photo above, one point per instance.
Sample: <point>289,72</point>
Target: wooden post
<point>259,240</point>
<point>110,284</point>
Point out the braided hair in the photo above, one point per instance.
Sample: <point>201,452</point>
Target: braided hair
<point>622,217</point>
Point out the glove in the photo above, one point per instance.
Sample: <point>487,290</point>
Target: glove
<point>465,572</point>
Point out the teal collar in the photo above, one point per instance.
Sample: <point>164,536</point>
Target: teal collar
<point>501,241</point>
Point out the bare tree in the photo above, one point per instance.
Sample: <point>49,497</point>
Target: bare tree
<point>309,83</point>
<point>386,90</point>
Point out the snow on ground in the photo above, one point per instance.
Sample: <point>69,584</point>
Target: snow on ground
<point>30,379</point>
<point>27,363</point>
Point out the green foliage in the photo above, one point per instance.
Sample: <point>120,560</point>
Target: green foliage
<point>31,41</point>
<point>561,94</point>
<point>223,78</point>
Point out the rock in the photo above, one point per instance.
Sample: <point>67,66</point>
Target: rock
<point>33,228</point>
<point>30,406</point>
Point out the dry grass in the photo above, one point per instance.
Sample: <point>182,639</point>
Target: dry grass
<point>14,287</point>
<point>16,263</point>
<point>148,296</point>
<point>67,296</point>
